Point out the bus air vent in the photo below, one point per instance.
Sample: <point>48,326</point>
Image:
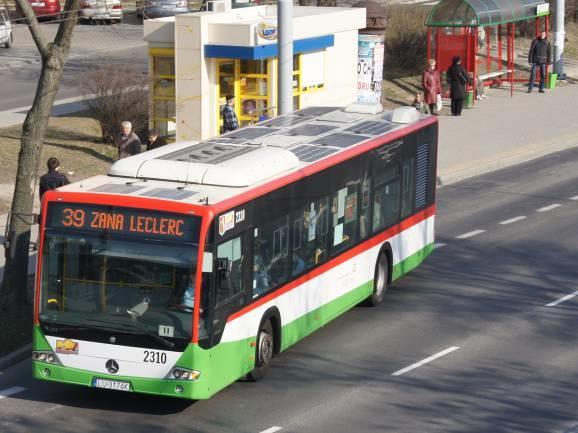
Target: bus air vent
<point>308,153</point>
<point>339,140</point>
<point>117,188</point>
<point>421,184</point>
<point>167,193</point>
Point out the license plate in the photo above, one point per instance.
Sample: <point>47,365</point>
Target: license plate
<point>37,4</point>
<point>117,385</point>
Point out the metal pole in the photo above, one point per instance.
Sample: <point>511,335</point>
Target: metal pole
<point>559,34</point>
<point>285,59</point>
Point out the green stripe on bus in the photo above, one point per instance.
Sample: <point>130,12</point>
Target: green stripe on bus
<point>411,262</point>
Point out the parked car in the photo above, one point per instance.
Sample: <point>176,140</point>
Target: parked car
<point>96,10</point>
<point>163,8</point>
<point>6,36</point>
<point>46,9</point>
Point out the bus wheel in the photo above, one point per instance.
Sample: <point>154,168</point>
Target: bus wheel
<point>264,352</point>
<point>380,281</point>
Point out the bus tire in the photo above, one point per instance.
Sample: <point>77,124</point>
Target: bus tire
<point>263,352</point>
<point>380,281</point>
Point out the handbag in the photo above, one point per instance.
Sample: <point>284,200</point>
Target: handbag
<point>439,103</point>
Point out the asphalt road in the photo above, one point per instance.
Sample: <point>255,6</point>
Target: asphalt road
<point>91,45</point>
<point>487,311</point>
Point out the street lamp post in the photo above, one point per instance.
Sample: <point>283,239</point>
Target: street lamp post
<point>285,56</point>
<point>559,38</point>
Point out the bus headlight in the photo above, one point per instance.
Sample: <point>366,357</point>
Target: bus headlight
<point>45,356</point>
<point>180,373</point>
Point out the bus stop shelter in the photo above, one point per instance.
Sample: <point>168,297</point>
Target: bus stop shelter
<point>482,33</point>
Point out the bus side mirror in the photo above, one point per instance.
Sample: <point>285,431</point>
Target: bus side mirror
<point>223,274</point>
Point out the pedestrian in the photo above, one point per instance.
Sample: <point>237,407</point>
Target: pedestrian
<point>431,85</point>
<point>419,105</point>
<point>154,141</point>
<point>127,143</point>
<point>230,121</point>
<point>53,178</point>
<point>457,79</point>
<point>540,55</point>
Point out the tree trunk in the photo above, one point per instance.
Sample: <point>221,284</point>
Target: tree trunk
<point>14,285</point>
<point>327,3</point>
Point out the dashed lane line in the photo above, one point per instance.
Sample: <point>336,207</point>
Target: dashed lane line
<point>574,198</point>
<point>513,220</point>
<point>439,245</point>
<point>470,234</point>
<point>562,299</point>
<point>425,361</point>
<point>272,429</point>
<point>11,391</point>
<point>549,207</point>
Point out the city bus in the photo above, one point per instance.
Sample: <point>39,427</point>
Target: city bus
<point>191,266</point>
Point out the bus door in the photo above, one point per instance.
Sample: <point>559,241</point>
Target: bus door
<point>231,267</point>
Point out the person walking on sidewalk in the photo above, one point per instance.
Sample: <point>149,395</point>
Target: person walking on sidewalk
<point>540,55</point>
<point>431,85</point>
<point>127,143</point>
<point>53,178</point>
<point>457,79</point>
<point>154,140</point>
<point>230,121</point>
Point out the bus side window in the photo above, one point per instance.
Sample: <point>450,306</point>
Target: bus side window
<point>230,276</point>
<point>386,194</point>
<point>408,187</point>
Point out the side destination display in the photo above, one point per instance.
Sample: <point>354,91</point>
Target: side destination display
<point>126,221</point>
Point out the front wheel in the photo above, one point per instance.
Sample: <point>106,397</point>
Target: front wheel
<point>8,43</point>
<point>263,353</point>
<point>380,281</point>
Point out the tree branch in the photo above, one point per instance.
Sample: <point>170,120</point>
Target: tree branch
<point>64,35</point>
<point>35,30</point>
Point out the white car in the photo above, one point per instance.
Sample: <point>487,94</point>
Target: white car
<point>6,36</point>
<point>95,10</point>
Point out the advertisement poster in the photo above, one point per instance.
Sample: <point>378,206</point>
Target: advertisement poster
<point>369,68</point>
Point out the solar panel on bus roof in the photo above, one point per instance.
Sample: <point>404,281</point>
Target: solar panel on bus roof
<point>371,128</point>
<point>315,111</point>
<point>310,130</point>
<point>207,152</point>
<point>117,188</point>
<point>286,121</point>
<point>339,140</point>
<point>251,133</point>
<point>173,194</point>
<point>308,153</point>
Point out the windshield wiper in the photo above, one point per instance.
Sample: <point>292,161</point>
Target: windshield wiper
<point>50,328</point>
<point>124,327</point>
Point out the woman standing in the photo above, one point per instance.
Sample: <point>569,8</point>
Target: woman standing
<point>457,78</point>
<point>431,85</point>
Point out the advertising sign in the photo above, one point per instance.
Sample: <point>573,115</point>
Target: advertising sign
<point>369,68</point>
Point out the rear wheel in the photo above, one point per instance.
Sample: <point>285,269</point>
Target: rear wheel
<point>263,353</point>
<point>380,281</point>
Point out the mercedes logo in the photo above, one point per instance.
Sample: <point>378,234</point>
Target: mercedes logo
<point>112,339</point>
<point>112,366</point>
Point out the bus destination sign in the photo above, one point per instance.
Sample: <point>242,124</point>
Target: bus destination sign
<point>127,221</point>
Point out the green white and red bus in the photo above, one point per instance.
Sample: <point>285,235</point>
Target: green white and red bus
<point>191,266</point>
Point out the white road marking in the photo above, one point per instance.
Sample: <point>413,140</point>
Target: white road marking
<point>549,207</point>
<point>425,361</point>
<point>513,220</point>
<point>562,299</point>
<point>272,429</point>
<point>11,391</point>
<point>439,245</point>
<point>470,234</point>
<point>574,198</point>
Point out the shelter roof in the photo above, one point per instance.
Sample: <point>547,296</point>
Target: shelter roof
<point>478,13</point>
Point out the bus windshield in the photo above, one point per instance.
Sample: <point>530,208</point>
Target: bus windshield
<point>95,283</point>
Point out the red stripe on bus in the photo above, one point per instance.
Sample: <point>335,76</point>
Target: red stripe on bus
<point>320,165</point>
<point>366,245</point>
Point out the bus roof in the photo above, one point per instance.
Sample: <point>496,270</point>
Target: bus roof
<point>214,170</point>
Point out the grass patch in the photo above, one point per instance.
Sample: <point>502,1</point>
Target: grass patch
<point>74,140</point>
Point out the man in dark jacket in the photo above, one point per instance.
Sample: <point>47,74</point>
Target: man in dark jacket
<point>53,179</point>
<point>540,55</point>
<point>154,140</point>
<point>127,143</point>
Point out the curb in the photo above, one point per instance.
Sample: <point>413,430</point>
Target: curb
<point>16,356</point>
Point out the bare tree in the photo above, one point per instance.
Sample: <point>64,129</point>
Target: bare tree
<point>327,3</point>
<point>110,101</point>
<point>53,57</point>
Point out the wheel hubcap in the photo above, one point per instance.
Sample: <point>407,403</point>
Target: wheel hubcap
<point>265,348</point>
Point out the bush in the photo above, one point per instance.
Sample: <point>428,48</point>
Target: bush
<point>113,94</point>
<point>405,38</point>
